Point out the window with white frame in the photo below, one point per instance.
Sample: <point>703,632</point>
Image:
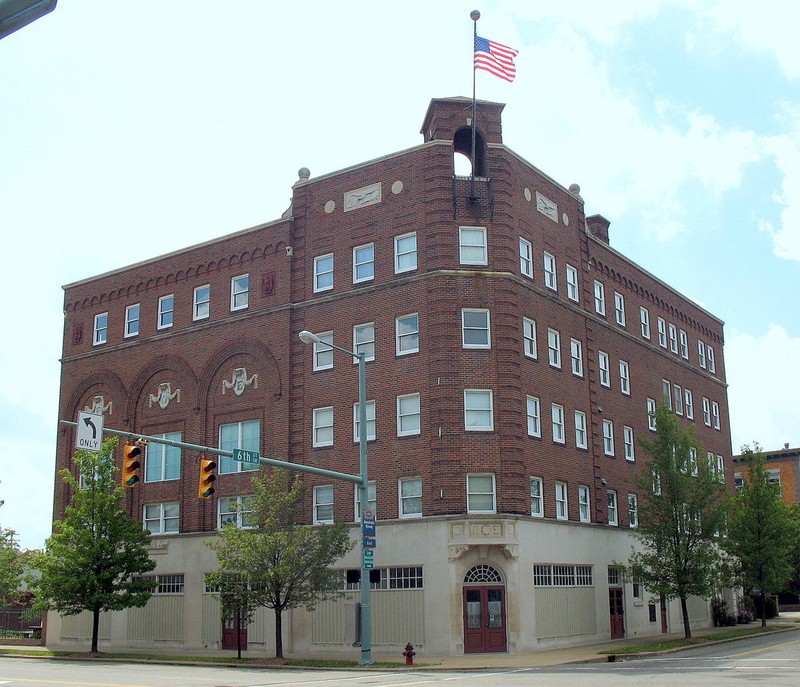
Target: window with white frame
<point>323,272</point>
<point>322,351</point>
<point>100,331</point>
<point>371,430</point>
<point>548,575</point>
<point>580,429</point>
<point>525,258</point>
<point>166,311</point>
<point>721,469</point>
<point>162,462</point>
<point>584,508</point>
<point>408,415</point>
<point>644,318</point>
<point>611,499</point>
<point>701,354</point>
<point>236,511</point>
<point>712,365</point>
<point>409,491</point>
<point>576,355</point>
<point>472,245</point>
<point>651,414</point>
<point>372,500</point>
<point>619,309</point>
<point>608,437</point>
<point>475,328</point>
<point>534,416</point>
<point>554,347</point>
<point>364,340</point>
<point>478,412</point>
<point>407,334</point>
<point>715,415</point>
<point>323,505</point>
<point>673,338</point>
<point>537,499</point>
<point>599,298</point>
<point>572,284</point>
<point>662,332</point>
<point>165,584</point>
<point>162,518</point>
<point>605,368</point>
<point>656,482</point>
<point>240,292</point>
<point>557,416</point>
<point>322,426</point>
<point>666,392</point>
<point>245,435</point>
<point>550,272</point>
<point>363,263</point>
<point>628,443</point>
<point>633,510</point>
<point>529,337</point>
<point>405,252</point>
<point>480,493</point>
<point>624,377</point>
<point>688,404</point>
<point>562,512</point>
<point>677,395</point>
<point>706,412</point>
<point>684,344</point>
<point>693,461</point>
<point>132,320</point>
<point>201,302</point>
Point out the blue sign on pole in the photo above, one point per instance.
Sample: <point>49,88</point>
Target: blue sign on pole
<point>370,542</point>
<point>368,524</point>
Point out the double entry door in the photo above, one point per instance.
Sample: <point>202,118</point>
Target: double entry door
<point>484,619</point>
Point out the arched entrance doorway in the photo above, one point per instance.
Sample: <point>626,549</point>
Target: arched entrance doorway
<point>484,610</point>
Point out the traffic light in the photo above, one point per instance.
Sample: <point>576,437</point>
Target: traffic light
<point>131,464</point>
<point>205,488</point>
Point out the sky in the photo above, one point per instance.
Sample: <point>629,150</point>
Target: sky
<point>130,129</point>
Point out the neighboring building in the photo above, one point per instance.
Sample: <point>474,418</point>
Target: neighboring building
<point>783,468</point>
<point>513,360</point>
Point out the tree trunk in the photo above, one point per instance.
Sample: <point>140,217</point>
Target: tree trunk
<point>763,608</point>
<point>687,628</point>
<point>238,632</point>
<point>95,628</point>
<point>278,633</point>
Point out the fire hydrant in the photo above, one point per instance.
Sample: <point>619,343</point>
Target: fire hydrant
<point>409,653</point>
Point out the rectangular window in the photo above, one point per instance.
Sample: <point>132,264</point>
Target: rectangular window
<point>599,298</point>
<point>166,311</point>
<point>608,437</point>
<point>201,302</point>
<point>363,263</point>
<point>706,412</point>
<point>407,334</point>
<point>677,395</point>
<point>633,510</point>
<point>557,415</point>
<point>666,392</point>
<point>712,365</point>
<point>534,416</point>
<point>478,412</point>
<point>721,469</point>
<point>584,511</point>
<point>537,502</point>
<point>240,292</point>
<point>480,493</point>
<point>580,429</point>
<point>662,332</point>
<point>323,505</point>
<point>322,426</point>
<point>371,430</point>
<point>550,272</point>
<point>715,415</point>
<point>162,518</point>
<point>408,415</point>
<point>236,511</point>
<point>364,340</point>
<point>529,337</point>
<point>163,462</point>
<point>688,404</point>
<point>322,352</point>
<point>673,338</point>
<point>405,252</point>
<point>624,378</point>
<point>100,335</point>
<point>548,575</point>
<point>684,344</point>
<point>605,368</point>
<point>472,245</point>
<point>245,435</point>
<point>612,508</point>
<point>475,328</point>
<point>651,414</point>
<point>372,500</point>
<point>165,584</point>
<point>644,318</point>
<point>323,273</point>
<point>410,494</point>
<point>628,443</point>
<point>572,283</point>
<point>525,258</point>
<point>554,347</point>
<point>701,354</point>
<point>561,501</point>
<point>132,320</point>
<point>576,354</point>
<point>619,309</point>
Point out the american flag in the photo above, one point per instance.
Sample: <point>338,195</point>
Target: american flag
<point>496,58</point>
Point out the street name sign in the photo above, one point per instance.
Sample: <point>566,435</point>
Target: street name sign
<point>90,432</point>
<point>245,456</point>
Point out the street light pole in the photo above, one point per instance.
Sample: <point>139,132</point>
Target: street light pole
<point>363,489</point>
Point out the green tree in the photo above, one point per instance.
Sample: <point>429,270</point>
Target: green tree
<point>679,516</point>
<point>95,557</point>
<point>285,564</point>
<point>762,531</point>
<point>11,565</point>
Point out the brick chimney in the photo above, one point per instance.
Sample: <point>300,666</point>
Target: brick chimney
<point>597,226</point>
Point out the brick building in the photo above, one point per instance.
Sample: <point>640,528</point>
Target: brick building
<point>513,357</point>
<point>783,468</point>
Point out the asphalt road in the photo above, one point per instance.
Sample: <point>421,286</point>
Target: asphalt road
<point>772,660</point>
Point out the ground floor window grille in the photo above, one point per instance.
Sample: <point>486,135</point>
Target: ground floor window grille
<point>386,578</point>
<point>166,584</point>
<point>547,575</point>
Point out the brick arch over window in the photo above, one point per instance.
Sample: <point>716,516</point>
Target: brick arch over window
<point>483,574</point>
<point>168,368</point>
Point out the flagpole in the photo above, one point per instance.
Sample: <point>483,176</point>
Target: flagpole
<point>474,15</point>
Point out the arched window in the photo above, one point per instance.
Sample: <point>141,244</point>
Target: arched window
<point>483,574</point>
